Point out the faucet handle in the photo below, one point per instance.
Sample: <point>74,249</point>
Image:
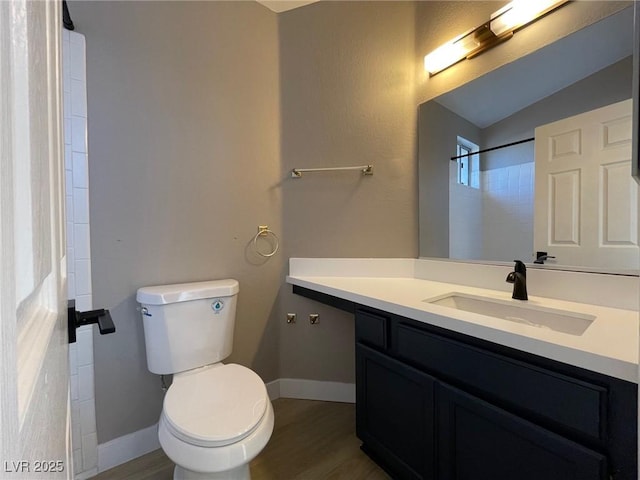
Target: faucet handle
<point>541,257</point>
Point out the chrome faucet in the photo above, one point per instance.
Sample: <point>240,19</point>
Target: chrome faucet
<point>519,279</point>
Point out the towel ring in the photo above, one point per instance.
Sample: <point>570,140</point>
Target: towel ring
<point>263,231</point>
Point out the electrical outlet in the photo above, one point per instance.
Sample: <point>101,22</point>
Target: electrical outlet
<point>314,318</point>
<point>291,318</point>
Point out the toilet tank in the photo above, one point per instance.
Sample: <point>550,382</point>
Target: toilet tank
<point>188,325</point>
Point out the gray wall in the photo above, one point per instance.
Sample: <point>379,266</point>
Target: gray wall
<point>185,134</point>
<point>184,159</point>
<point>438,129</point>
<point>347,99</point>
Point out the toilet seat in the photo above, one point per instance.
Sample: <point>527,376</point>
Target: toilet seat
<point>215,406</point>
<point>221,461</point>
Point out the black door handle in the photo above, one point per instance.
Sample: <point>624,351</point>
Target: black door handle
<point>77,319</point>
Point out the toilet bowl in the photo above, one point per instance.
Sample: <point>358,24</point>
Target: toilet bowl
<point>216,417</point>
<point>214,421</point>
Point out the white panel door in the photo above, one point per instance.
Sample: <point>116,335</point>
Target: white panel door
<point>585,198</point>
<point>34,385</point>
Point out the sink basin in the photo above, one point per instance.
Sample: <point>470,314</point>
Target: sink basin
<point>535,316</point>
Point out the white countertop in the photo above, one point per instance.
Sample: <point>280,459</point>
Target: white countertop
<point>608,346</point>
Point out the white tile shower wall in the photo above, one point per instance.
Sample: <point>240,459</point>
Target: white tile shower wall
<point>83,410</point>
<point>508,207</point>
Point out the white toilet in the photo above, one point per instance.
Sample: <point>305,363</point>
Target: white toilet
<point>216,418</point>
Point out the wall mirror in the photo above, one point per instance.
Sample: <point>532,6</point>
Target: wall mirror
<point>489,207</point>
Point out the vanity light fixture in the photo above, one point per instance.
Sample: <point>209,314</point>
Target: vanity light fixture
<point>499,28</point>
<point>467,45</point>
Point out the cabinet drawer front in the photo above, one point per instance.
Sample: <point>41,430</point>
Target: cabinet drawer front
<point>371,329</point>
<point>523,388</point>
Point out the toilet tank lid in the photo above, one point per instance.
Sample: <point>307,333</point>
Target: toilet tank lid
<point>184,292</point>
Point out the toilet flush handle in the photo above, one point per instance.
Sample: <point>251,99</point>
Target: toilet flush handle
<point>144,311</point>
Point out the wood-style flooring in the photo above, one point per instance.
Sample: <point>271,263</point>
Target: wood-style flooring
<point>311,441</point>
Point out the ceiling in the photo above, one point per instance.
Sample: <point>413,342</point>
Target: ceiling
<point>284,5</point>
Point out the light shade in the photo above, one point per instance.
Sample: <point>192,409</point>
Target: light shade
<point>451,52</point>
<point>520,12</point>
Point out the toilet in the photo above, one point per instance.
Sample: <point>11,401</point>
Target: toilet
<point>216,417</point>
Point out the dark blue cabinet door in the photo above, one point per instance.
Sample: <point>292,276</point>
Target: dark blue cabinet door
<point>394,414</point>
<point>478,441</point>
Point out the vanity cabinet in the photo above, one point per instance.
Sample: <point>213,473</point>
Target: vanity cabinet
<point>435,404</point>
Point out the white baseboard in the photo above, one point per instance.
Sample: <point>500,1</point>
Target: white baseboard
<point>312,390</point>
<point>123,449</point>
<point>273,389</point>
